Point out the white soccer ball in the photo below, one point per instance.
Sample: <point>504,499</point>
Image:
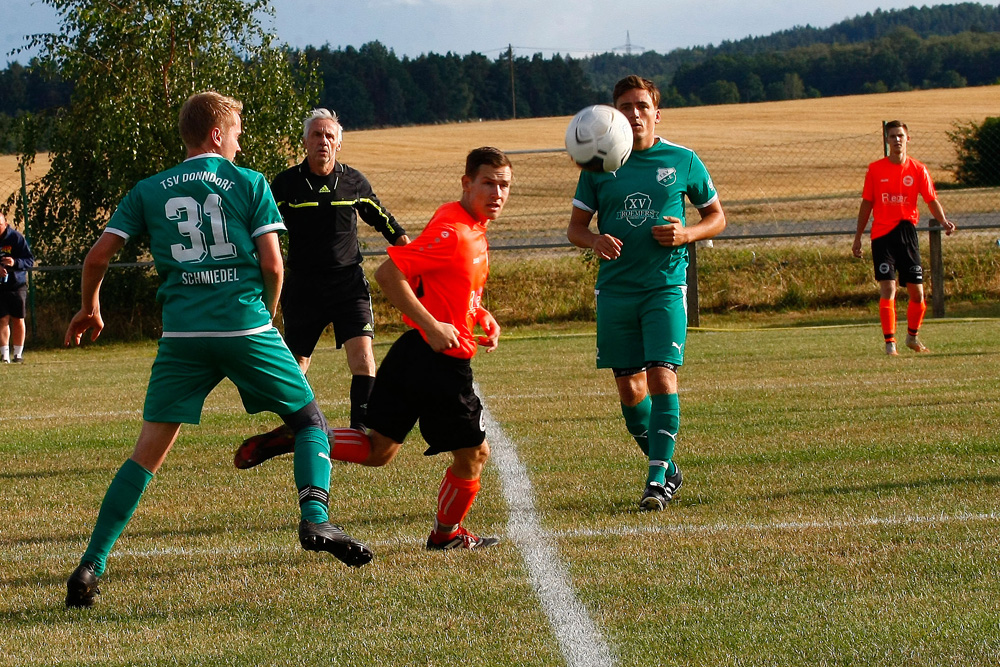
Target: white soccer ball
<point>599,138</point>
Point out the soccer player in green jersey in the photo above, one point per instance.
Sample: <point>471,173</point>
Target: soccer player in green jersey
<point>213,233</point>
<point>641,242</point>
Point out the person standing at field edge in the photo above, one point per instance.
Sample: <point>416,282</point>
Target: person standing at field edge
<point>641,242</point>
<point>213,233</point>
<point>437,282</point>
<point>890,193</point>
<point>15,260</point>
<point>320,200</point>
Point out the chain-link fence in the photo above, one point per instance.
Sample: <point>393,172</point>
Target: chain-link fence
<point>780,200</point>
<point>812,186</point>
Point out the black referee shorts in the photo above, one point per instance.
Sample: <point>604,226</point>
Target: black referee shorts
<point>310,302</point>
<point>416,383</point>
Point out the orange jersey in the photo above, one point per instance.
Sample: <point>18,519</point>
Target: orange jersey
<point>447,266</point>
<point>892,189</point>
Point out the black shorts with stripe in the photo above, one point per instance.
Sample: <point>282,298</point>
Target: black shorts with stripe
<point>415,383</point>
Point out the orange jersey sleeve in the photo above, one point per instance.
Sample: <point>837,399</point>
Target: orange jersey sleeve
<point>893,190</point>
<point>447,266</point>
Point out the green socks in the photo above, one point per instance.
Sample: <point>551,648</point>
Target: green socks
<point>120,501</point>
<point>664,423</point>
<point>637,422</point>
<point>312,478</point>
<point>312,473</point>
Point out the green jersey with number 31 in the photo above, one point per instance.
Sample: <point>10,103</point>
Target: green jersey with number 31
<point>202,217</point>
<point>629,202</point>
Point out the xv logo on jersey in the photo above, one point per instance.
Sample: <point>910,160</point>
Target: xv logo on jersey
<point>666,176</point>
<point>637,209</point>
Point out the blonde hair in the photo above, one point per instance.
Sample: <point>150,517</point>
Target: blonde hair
<point>203,112</point>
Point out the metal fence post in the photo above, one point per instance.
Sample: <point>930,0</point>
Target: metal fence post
<point>27,239</point>
<point>692,282</point>
<point>937,270</point>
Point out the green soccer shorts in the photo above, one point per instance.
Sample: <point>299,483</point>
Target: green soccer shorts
<point>636,329</point>
<point>187,369</point>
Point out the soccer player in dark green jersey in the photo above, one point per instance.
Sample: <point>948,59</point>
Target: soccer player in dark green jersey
<point>213,232</point>
<point>641,241</point>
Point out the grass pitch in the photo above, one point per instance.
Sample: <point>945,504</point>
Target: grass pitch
<point>839,508</point>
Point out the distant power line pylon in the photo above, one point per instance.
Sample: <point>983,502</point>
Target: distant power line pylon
<point>628,46</point>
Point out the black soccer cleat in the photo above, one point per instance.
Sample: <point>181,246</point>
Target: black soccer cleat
<point>81,588</point>
<point>332,539</point>
<point>656,496</point>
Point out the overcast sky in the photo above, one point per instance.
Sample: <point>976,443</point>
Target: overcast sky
<point>570,27</point>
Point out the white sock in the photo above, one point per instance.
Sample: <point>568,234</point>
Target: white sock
<point>17,350</point>
<point>4,353</point>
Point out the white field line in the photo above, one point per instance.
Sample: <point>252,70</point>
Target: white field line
<point>778,526</point>
<point>25,553</point>
<point>63,416</point>
<point>581,642</point>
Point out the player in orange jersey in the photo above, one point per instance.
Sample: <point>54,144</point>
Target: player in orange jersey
<point>437,283</point>
<point>890,193</point>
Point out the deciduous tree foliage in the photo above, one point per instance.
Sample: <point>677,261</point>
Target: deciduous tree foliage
<point>133,63</point>
<point>977,146</point>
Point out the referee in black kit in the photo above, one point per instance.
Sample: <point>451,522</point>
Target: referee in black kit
<point>320,200</point>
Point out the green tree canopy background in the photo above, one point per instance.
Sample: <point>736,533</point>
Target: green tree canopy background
<point>133,64</point>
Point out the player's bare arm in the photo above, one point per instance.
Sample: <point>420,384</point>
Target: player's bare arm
<point>673,234</point>
<point>491,328</point>
<point>94,267</point>
<point>864,213</point>
<point>938,212</point>
<point>604,246</point>
<point>440,335</point>
<point>271,268</point>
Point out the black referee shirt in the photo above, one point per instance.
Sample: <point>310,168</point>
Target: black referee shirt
<point>321,214</point>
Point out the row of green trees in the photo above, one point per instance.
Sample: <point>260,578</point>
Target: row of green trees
<point>929,47</point>
<point>925,21</point>
<point>901,60</point>
<point>371,87</point>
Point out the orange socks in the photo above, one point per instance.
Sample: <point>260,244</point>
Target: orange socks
<point>349,444</point>
<point>915,317</point>
<point>454,501</point>
<point>887,315</point>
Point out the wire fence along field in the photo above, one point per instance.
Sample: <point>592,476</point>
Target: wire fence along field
<point>802,187</point>
<point>804,194</point>
<point>791,187</point>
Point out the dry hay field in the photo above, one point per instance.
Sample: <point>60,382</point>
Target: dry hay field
<point>754,128</point>
<point>771,161</point>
